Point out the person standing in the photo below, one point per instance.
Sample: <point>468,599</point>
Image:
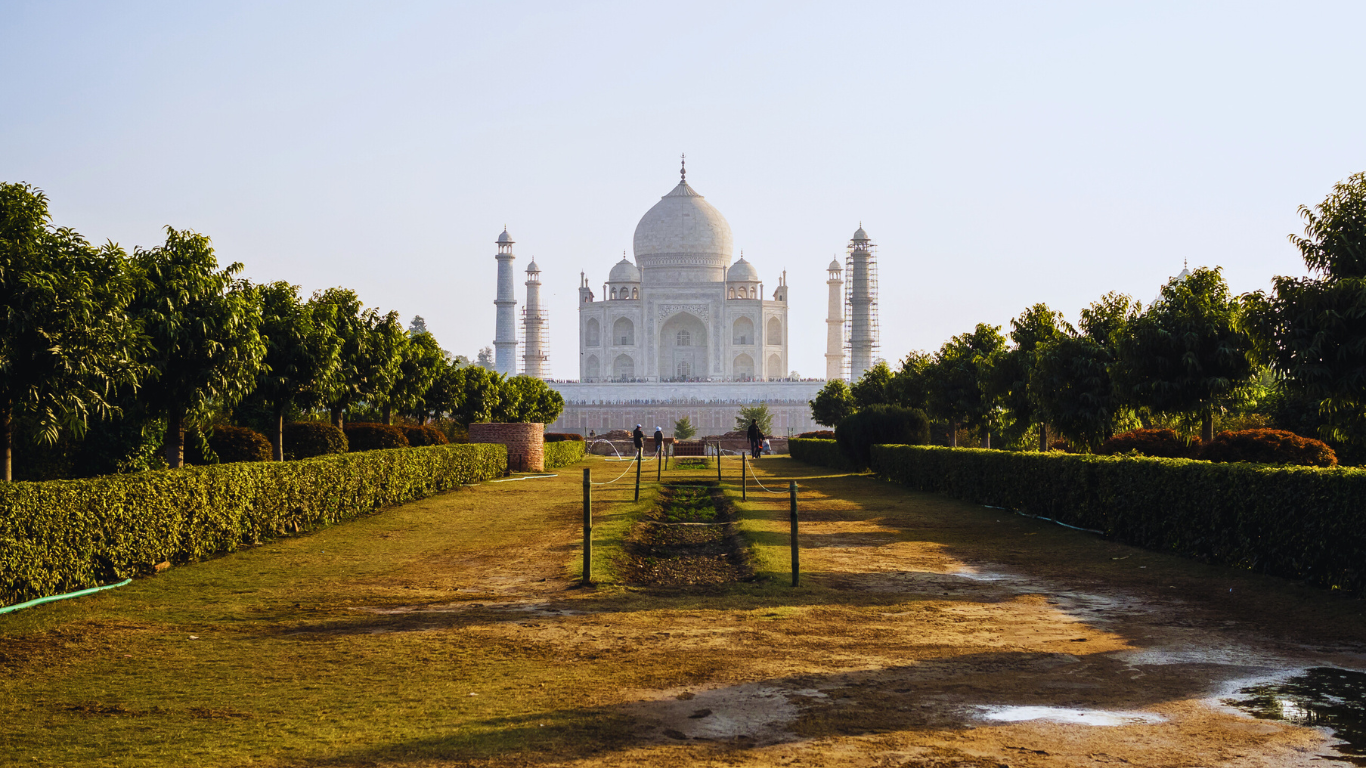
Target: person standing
<point>638,439</point>
<point>756,436</point>
<point>659,441</point>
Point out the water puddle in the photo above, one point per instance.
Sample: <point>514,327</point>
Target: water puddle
<point>1100,717</point>
<point>1321,697</point>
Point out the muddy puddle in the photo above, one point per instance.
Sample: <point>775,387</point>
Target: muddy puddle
<point>687,540</point>
<point>1321,697</point>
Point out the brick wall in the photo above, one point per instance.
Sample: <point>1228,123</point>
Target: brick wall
<point>525,443</point>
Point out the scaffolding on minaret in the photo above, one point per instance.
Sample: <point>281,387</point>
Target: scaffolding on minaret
<point>860,306</point>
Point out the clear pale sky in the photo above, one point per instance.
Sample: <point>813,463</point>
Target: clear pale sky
<point>1000,154</point>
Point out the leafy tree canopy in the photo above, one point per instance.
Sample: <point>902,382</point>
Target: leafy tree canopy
<point>873,387</point>
<point>1334,242</point>
<point>832,404</point>
<point>683,428</point>
<point>757,412</point>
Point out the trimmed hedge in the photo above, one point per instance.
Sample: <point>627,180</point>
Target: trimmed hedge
<point>1295,522</point>
<point>560,437</point>
<point>423,434</point>
<point>563,453</point>
<point>65,535</point>
<point>820,434</point>
<point>368,436</point>
<point>306,439</point>
<point>824,453</point>
<point>237,444</point>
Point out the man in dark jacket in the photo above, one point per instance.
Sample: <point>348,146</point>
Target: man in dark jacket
<point>659,441</point>
<point>756,438</point>
<point>638,438</point>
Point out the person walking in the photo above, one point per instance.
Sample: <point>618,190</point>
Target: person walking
<point>659,441</point>
<point>756,436</point>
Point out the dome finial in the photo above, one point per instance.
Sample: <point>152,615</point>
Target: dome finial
<point>683,169</point>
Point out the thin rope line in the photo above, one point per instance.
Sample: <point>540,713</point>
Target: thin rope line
<point>528,477</point>
<point>750,464</point>
<point>609,482</point>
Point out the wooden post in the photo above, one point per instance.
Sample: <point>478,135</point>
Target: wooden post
<point>659,461</point>
<point>667,450</point>
<point>744,479</point>
<point>639,453</point>
<point>718,462</point>
<point>796,562</point>
<point>587,527</point>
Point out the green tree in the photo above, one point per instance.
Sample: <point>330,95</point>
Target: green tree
<point>1190,353</point>
<point>832,404</point>
<point>444,396</point>
<point>527,399</point>
<point>955,391</point>
<point>420,362</point>
<point>480,394</point>
<point>1008,380</point>
<point>302,354</point>
<point>66,342</point>
<point>873,386</point>
<point>1071,388</point>
<point>1312,331</point>
<point>758,412</point>
<point>909,386</point>
<point>485,358</point>
<point>683,429</point>
<point>203,327</point>
<point>370,355</point>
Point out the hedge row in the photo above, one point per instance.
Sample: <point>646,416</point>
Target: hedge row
<point>563,453</point>
<point>1296,522</point>
<point>825,453</point>
<point>64,535</point>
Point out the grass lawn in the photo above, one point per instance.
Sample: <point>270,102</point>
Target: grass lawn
<point>452,631</point>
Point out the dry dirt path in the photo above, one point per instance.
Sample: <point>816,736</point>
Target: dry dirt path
<point>927,632</point>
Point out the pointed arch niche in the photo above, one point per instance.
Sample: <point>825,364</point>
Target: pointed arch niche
<point>683,348</point>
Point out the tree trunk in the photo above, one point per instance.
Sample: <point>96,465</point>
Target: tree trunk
<point>175,439</point>
<point>1043,438</point>
<point>388,414</point>
<point>986,439</point>
<point>337,417</point>
<point>953,434</point>
<point>277,437</point>
<point>1207,428</point>
<point>8,429</point>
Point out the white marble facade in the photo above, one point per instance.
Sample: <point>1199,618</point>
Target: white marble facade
<point>682,311</point>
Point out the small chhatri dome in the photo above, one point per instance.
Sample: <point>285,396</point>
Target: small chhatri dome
<point>624,272</point>
<point>859,234</point>
<point>505,238</point>
<point>835,266</point>
<point>532,266</point>
<point>742,272</point>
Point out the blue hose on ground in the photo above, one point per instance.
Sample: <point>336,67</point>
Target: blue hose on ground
<point>54,598</point>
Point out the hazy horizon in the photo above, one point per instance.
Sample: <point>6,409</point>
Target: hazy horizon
<point>999,155</point>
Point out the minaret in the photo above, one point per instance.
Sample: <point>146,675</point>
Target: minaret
<point>834,323</point>
<point>505,338</point>
<point>533,323</point>
<point>862,304</point>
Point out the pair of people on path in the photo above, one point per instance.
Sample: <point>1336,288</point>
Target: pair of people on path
<point>756,438</point>
<point>638,438</point>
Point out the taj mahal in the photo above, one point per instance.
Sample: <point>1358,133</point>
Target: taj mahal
<point>686,329</point>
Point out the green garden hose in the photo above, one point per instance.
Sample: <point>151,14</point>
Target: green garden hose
<point>53,598</point>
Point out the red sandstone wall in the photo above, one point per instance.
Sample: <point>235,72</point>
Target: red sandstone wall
<point>525,443</point>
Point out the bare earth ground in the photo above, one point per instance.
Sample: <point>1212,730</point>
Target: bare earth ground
<point>927,632</point>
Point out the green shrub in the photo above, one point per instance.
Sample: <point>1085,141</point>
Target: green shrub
<point>1296,522</point>
<point>306,439</point>
<point>823,453</point>
<point>234,444</point>
<point>423,434</point>
<point>368,436</point>
<point>820,434</point>
<point>563,453</point>
<point>65,535</point>
<point>880,425</point>
<point>560,437</point>
<point>1161,443</point>
<point>1269,446</point>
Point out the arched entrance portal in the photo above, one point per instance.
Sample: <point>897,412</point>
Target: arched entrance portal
<point>683,348</point>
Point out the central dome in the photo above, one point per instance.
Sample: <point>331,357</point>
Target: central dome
<point>683,229</point>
